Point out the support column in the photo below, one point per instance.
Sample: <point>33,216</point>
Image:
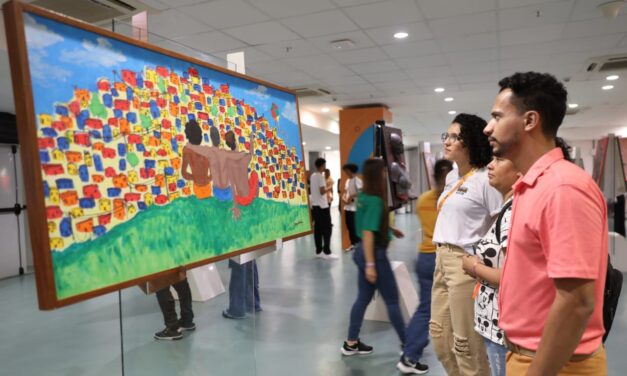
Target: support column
<point>357,143</point>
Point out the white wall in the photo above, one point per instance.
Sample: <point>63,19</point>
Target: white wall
<point>586,151</point>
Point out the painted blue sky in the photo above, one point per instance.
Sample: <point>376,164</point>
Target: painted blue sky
<point>62,57</point>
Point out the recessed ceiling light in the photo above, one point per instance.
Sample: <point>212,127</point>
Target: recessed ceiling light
<point>448,99</point>
<point>401,35</point>
<point>328,148</point>
<point>452,112</point>
<point>573,105</point>
<point>325,109</point>
<point>608,87</point>
<point>304,143</point>
<point>438,89</point>
<point>613,77</point>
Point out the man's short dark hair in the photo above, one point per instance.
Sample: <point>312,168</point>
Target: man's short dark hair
<point>471,134</point>
<point>193,132</point>
<point>539,92</point>
<point>320,162</point>
<point>441,168</point>
<point>229,139</point>
<point>214,134</point>
<point>351,167</point>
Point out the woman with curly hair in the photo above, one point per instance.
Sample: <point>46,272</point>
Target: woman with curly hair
<point>466,209</point>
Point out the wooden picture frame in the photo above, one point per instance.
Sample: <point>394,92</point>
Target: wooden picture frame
<point>251,134</point>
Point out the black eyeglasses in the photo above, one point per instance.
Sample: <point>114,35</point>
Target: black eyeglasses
<point>450,136</point>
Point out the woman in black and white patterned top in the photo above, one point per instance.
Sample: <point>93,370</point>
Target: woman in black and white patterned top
<point>487,263</point>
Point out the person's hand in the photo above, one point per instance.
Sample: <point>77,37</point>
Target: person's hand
<point>468,261</point>
<point>397,233</point>
<point>371,274</point>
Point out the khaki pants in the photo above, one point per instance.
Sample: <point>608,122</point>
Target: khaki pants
<point>459,348</point>
<point>596,365</point>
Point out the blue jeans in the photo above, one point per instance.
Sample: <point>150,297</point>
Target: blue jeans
<point>386,284</point>
<point>496,357</point>
<point>417,332</point>
<point>243,289</point>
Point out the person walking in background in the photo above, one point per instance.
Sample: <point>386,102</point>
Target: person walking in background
<point>466,210</point>
<point>374,270</point>
<point>329,185</point>
<point>321,211</point>
<point>487,263</point>
<point>552,287</point>
<point>174,327</point>
<point>352,187</point>
<point>417,332</point>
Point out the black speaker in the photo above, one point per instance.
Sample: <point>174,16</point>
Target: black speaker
<point>8,128</point>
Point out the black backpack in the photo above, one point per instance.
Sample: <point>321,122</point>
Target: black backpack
<point>611,294</point>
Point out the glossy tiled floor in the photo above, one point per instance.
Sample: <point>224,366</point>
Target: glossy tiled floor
<point>306,303</point>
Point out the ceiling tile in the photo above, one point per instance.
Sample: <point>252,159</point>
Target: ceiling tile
<point>346,80</point>
<point>288,49</point>
<point>251,55</point>
<point>225,13</point>
<point>586,10</point>
<point>353,89</point>
<point>289,8</point>
<point>464,25</point>
<point>531,35</point>
<point>469,42</point>
<point>350,3</point>
<point>212,41</point>
<point>477,78</point>
<point>168,24</point>
<point>527,17</point>
<point>419,48</point>
<point>267,67</point>
<point>380,77</point>
<point>520,3</point>
<point>463,68</point>
<point>474,56</point>
<point>179,3</point>
<point>526,50</point>
<point>379,66</point>
<point>262,33</point>
<point>387,13</point>
<point>290,78</point>
<point>360,39</point>
<point>395,85</point>
<point>323,23</point>
<point>585,44</point>
<point>446,8</point>
<point>594,27</point>
<point>385,35</point>
<point>156,4</point>
<point>421,62</point>
<point>364,55</point>
<point>320,66</point>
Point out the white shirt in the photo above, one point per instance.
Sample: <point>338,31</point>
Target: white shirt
<point>317,181</point>
<point>352,187</point>
<point>468,213</point>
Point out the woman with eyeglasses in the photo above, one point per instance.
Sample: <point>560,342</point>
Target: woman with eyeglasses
<point>466,209</point>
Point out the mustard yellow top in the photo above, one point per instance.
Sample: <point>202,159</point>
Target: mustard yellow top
<point>426,209</point>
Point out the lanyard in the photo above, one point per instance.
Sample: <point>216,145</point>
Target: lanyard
<point>456,187</point>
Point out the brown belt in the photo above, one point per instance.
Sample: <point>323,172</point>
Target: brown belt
<point>530,353</point>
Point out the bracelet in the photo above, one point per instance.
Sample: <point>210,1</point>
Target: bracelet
<point>370,264</point>
<point>474,269</point>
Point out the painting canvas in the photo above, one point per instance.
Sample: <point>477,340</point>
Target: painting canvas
<point>392,148</point>
<point>148,161</point>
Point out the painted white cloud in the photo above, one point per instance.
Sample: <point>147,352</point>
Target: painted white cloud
<point>46,74</point>
<point>259,92</point>
<point>289,112</point>
<point>38,36</point>
<point>101,53</point>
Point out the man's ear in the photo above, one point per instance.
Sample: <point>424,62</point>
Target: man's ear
<point>531,120</point>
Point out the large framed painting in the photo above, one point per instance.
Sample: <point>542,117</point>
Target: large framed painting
<point>141,161</point>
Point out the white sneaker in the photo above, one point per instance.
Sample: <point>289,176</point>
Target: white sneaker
<point>351,248</point>
<point>321,255</point>
<point>331,257</point>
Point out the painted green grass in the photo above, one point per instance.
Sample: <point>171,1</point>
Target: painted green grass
<point>164,237</point>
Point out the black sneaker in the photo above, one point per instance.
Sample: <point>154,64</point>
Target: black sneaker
<point>187,327</point>
<point>407,367</point>
<point>169,334</point>
<point>358,348</point>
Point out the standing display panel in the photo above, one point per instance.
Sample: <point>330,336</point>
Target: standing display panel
<point>140,161</point>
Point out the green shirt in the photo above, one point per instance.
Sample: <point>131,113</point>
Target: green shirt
<point>368,215</point>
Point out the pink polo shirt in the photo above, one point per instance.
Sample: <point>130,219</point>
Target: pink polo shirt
<point>558,230</point>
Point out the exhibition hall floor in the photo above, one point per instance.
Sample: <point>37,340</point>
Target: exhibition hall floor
<point>306,303</point>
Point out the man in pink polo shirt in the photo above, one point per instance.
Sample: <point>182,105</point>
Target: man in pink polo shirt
<point>551,292</point>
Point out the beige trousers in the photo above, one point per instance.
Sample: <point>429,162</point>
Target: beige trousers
<point>459,348</point>
<point>596,365</point>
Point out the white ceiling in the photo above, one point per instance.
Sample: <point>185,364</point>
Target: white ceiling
<point>464,46</point>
